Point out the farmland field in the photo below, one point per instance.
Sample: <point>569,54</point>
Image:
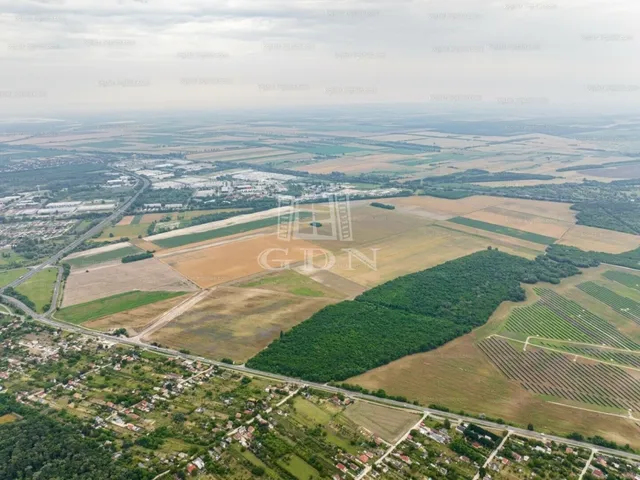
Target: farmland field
<point>597,328</point>
<point>122,231</point>
<point>292,282</point>
<point>39,288</point>
<point>8,276</point>
<point>553,374</point>
<point>85,260</point>
<point>237,322</point>
<point>100,281</point>
<point>136,319</point>
<point>387,423</point>
<point>599,240</point>
<point>524,221</point>
<point>627,279</point>
<point>84,312</point>
<point>623,305</point>
<point>232,261</point>
<point>541,321</point>
<point>178,241</point>
<point>604,354</point>
<point>511,232</point>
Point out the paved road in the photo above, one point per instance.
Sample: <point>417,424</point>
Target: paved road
<point>317,386</point>
<point>90,233</point>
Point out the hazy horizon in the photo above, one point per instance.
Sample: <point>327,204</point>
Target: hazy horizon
<point>76,57</point>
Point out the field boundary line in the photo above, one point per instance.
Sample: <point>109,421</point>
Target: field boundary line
<point>569,353</point>
<point>626,417</point>
<point>167,317</point>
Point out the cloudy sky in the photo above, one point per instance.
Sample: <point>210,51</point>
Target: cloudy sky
<point>102,55</point>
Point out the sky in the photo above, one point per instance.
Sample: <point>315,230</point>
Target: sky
<point>92,56</point>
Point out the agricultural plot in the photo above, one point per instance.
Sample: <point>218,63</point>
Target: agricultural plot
<point>541,321</point>
<point>386,423</point>
<point>623,305</point>
<point>553,374</point>
<point>237,323</point>
<point>108,256</point>
<point>626,279</point>
<point>122,231</point>
<point>101,281</point>
<point>134,320</point>
<point>292,282</point>
<point>231,261</point>
<point>595,327</point>
<point>511,232</point>
<point>111,305</point>
<point>605,355</point>
<point>599,240</point>
<point>524,221</point>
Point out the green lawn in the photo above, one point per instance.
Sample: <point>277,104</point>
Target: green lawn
<point>299,468</point>
<point>104,256</point>
<point>84,312</point>
<point>181,240</point>
<point>39,288</point>
<point>512,232</point>
<point>8,276</point>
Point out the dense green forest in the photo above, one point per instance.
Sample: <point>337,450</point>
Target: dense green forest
<point>580,258</point>
<point>51,445</point>
<point>411,314</point>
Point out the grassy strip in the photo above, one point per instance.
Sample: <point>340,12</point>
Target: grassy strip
<point>222,232</point>
<point>136,220</point>
<point>103,257</point>
<point>9,276</point>
<point>84,312</point>
<point>511,232</point>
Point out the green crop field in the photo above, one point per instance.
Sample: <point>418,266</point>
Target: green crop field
<point>8,276</point>
<point>84,312</point>
<point>541,321</point>
<point>103,257</point>
<point>626,279</point>
<point>601,331</point>
<point>136,220</point>
<point>623,305</point>
<point>39,288</point>
<point>181,240</point>
<point>512,232</point>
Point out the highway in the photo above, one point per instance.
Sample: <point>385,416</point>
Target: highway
<point>318,386</point>
<point>88,234</point>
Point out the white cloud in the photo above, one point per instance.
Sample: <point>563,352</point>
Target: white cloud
<point>132,54</point>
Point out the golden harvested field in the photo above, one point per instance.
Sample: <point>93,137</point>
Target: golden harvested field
<point>356,164</point>
<point>231,261</point>
<point>105,280</point>
<point>421,248</point>
<point>237,322</point>
<point>459,376</point>
<point>336,282</point>
<point>600,240</point>
<point>134,320</point>
<point>126,220</point>
<point>522,221</point>
<point>554,210</point>
<point>387,423</point>
<point>369,225</point>
<point>442,208</point>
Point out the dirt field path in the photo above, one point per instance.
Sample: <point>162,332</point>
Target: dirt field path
<point>169,315</point>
